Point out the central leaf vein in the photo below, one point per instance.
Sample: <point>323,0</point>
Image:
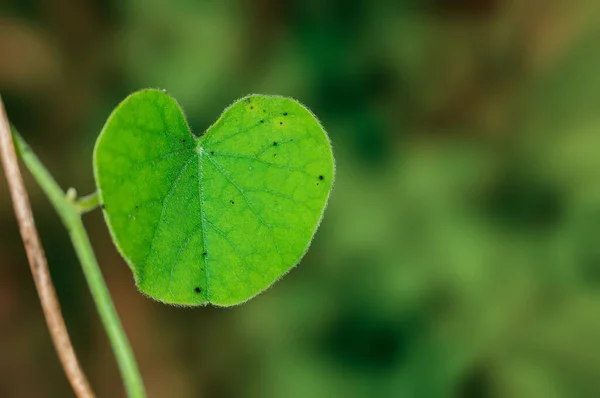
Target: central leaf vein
<point>203,219</point>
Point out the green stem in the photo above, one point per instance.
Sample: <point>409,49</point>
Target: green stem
<point>87,203</point>
<point>70,215</point>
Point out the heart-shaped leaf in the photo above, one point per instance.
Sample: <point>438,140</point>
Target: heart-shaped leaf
<point>216,218</point>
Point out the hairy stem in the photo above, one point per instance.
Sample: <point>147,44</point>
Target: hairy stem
<point>39,264</point>
<point>70,214</point>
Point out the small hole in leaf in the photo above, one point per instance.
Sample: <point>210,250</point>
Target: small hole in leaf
<point>280,122</point>
<point>232,202</point>
<point>321,177</point>
<point>262,121</point>
<point>274,143</point>
<point>197,290</point>
<point>204,253</point>
<point>285,113</point>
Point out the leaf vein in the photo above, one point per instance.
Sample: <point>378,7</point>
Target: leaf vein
<point>164,207</point>
<point>203,220</point>
<point>179,251</point>
<point>240,131</point>
<point>234,248</point>
<point>249,203</point>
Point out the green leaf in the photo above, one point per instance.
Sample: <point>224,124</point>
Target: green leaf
<point>216,218</point>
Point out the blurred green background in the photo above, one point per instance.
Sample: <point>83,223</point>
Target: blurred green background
<point>459,255</point>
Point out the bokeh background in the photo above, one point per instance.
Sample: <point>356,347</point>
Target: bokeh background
<point>459,255</point>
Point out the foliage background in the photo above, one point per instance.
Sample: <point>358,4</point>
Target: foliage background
<point>460,253</point>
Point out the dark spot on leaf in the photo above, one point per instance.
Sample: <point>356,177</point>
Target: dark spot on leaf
<point>317,183</point>
<point>262,121</point>
<point>264,110</point>
<point>248,100</point>
<point>232,202</point>
<point>252,107</point>
<point>183,140</point>
<point>197,290</point>
<point>137,207</point>
<point>274,155</point>
<point>103,206</point>
<point>212,152</point>
<point>285,113</point>
<point>274,143</point>
<point>321,177</point>
<point>280,122</point>
<point>204,253</point>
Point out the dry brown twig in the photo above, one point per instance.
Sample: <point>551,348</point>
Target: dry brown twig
<point>38,263</point>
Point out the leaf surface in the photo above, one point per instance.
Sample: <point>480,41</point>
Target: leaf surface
<point>216,218</point>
